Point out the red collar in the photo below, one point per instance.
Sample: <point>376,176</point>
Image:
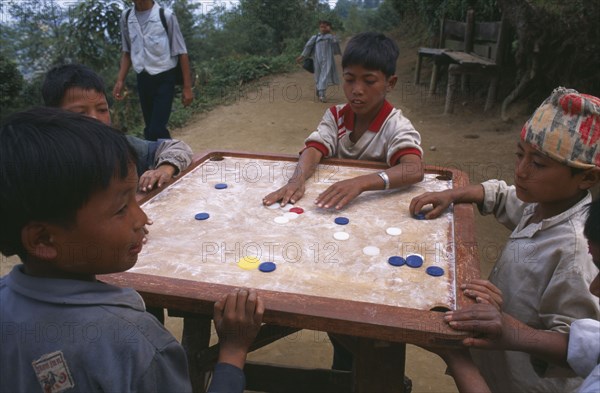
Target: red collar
<point>348,115</point>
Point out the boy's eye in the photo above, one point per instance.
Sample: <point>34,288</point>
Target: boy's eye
<point>122,210</point>
<point>538,164</point>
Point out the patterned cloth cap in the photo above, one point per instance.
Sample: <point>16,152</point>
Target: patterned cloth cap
<point>566,127</point>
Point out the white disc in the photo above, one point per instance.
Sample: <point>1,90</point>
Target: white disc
<point>393,231</point>
<point>371,250</point>
<point>291,215</point>
<point>341,236</point>
<point>281,220</point>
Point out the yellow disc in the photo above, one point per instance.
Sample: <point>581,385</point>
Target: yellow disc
<point>249,263</point>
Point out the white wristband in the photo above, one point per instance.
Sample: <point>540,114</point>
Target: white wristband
<point>386,180</point>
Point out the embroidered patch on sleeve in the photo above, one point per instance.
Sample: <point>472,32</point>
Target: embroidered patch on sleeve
<point>53,373</point>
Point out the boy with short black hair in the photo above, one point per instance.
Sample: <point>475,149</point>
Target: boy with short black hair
<point>77,88</point>
<point>544,271</point>
<point>368,127</point>
<point>69,211</point>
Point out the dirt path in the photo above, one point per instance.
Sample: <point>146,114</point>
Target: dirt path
<point>278,113</point>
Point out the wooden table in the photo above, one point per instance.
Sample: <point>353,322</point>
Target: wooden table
<point>320,283</point>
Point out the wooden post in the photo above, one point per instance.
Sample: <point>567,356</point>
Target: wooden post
<point>379,366</point>
<point>195,338</point>
<point>469,31</point>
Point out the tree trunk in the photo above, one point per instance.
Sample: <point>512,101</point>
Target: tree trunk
<point>557,44</point>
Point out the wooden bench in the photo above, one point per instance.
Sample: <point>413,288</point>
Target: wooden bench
<point>454,35</point>
<point>484,60</point>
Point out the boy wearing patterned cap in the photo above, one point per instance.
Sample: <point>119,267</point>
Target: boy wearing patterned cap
<point>493,329</point>
<point>544,270</point>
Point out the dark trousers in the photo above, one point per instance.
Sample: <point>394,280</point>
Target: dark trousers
<point>156,98</point>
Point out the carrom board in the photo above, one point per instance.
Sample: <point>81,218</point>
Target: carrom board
<point>313,269</point>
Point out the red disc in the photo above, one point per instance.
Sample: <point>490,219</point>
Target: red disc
<point>297,210</point>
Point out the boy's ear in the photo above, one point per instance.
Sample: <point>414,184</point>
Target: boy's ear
<point>590,178</point>
<point>38,242</point>
<point>391,82</point>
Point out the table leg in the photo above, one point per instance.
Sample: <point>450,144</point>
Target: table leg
<point>451,89</point>
<point>418,69</point>
<point>158,312</point>
<point>195,338</point>
<point>379,366</point>
<point>434,78</point>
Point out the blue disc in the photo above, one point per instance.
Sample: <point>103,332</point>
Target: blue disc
<point>396,261</point>
<point>435,271</point>
<point>342,220</point>
<point>201,216</point>
<point>220,186</point>
<point>414,261</point>
<point>267,267</point>
<point>420,216</point>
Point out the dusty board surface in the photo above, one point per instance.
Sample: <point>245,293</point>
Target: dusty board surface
<point>309,260</point>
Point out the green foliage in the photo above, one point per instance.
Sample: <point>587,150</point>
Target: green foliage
<point>558,43</point>
<point>385,18</point>
<point>260,27</point>
<point>360,18</point>
<point>126,114</point>
<point>224,79</point>
<point>284,18</point>
<point>38,33</point>
<point>232,47</point>
<point>342,8</point>
<point>184,10</point>
<point>94,36</point>
<point>430,12</point>
<point>229,47</point>
<point>11,82</point>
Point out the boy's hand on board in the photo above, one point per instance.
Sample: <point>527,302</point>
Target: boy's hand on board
<point>440,201</point>
<point>340,194</point>
<point>156,177</point>
<point>291,192</point>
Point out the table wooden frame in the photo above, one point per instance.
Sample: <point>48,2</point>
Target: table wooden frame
<point>375,333</point>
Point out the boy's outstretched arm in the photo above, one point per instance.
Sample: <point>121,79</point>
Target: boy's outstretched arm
<point>294,189</point>
<point>441,200</point>
<point>170,157</point>
<point>160,176</point>
<point>493,329</point>
<point>237,317</point>
<point>408,171</point>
